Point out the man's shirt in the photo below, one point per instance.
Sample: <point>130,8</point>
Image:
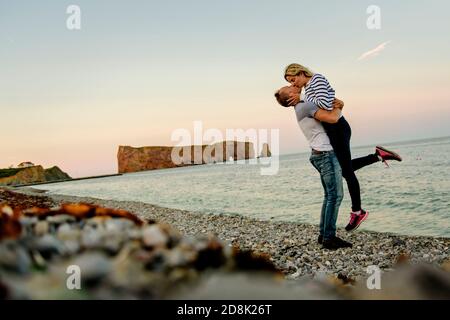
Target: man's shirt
<point>312,128</point>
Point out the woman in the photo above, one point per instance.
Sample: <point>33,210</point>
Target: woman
<point>318,90</point>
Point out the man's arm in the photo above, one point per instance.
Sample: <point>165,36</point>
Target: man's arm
<point>328,116</point>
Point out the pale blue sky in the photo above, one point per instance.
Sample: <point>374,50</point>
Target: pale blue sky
<point>137,70</point>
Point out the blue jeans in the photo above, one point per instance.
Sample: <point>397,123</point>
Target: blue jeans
<point>331,176</point>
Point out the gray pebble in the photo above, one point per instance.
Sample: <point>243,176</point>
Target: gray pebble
<point>93,266</point>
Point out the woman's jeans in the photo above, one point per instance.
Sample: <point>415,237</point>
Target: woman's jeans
<point>331,176</point>
<point>340,134</point>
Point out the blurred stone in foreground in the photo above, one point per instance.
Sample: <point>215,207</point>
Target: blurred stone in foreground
<point>422,281</point>
<point>408,282</point>
<point>120,256</point>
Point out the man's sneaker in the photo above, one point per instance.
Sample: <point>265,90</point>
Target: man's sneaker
<point>336,243</point>
<point>386,154</point>
<point>356,219</point>
<point>320,239</point>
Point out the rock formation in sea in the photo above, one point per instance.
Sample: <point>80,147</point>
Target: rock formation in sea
<point>131,159</point>
<point>265,152</point>
<point>31,174</point>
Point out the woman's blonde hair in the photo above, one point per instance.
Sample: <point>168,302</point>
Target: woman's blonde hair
<point>294,69</point>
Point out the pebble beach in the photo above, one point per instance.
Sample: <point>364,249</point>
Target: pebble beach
<point>291,247</point>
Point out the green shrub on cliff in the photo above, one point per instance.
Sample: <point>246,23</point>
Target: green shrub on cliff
<point>55,174</point>
<point>9,172</point>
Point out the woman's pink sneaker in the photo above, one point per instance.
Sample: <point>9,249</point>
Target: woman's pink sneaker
<point>386,154</point>
<point>356,220</point>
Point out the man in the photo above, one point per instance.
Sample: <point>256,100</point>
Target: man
<point>309,118</point>
<point>319,91</point>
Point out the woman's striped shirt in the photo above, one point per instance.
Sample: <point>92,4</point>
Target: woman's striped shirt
<point>319,91</point>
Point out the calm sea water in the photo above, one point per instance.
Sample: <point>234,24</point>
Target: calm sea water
<point>411,197</point>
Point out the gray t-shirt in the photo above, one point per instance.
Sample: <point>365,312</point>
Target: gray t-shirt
<point>312,128</point>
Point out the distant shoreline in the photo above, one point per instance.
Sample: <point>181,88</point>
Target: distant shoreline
<point>149,170</point>
<point>66,180</point>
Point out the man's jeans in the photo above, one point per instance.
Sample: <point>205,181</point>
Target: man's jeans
<point>331,177</point>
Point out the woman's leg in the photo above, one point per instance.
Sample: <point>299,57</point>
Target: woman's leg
<point>361,162</point>
<point>340,135</point>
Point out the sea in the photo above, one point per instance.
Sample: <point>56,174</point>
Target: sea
<point>411,197</point>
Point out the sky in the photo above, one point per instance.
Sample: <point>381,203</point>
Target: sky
<point>138,70</point>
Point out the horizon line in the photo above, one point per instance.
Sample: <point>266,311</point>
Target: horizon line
<point>385,143</point>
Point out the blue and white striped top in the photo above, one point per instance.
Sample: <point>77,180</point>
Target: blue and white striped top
<point>319,91</point>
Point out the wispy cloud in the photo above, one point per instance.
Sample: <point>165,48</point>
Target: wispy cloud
<point>374,52</point>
